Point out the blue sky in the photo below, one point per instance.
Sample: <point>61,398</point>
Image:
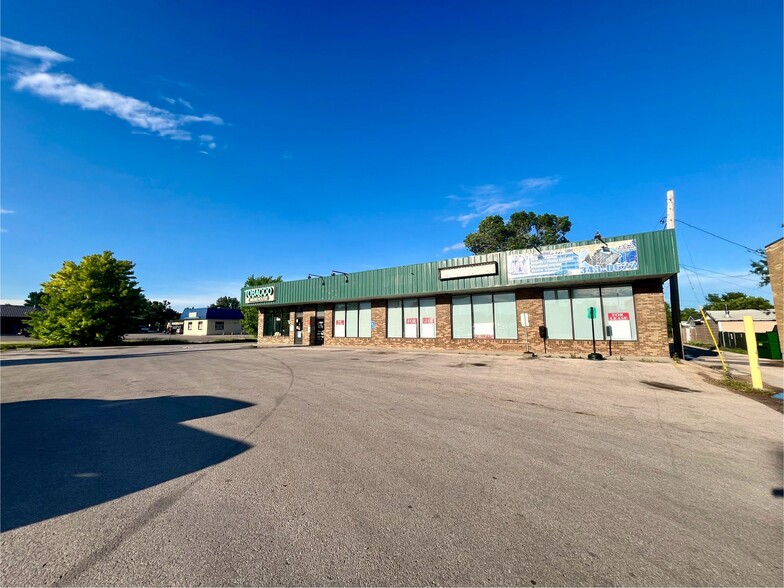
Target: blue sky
<point>207,141</point>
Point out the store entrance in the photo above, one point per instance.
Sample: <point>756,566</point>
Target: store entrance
<point>298,328</point>
<point>318,339</point>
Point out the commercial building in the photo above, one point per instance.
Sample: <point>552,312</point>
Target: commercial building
<point>211,321</point>
<point>775,255</point>
<point>555,299</point>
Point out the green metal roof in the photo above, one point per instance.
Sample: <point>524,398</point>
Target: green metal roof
<point>657,256</point>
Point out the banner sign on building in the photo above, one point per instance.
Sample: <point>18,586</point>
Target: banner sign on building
<point>473,270</point>
<point>260,294</point>
<point>618,256</point>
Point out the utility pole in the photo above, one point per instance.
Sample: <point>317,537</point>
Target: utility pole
<point>675,298</point>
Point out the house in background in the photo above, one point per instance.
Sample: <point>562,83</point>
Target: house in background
<point>212,321</point>
<point>694,328</point>
<point>12,317</point>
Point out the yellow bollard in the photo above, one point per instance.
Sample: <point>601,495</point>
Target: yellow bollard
<point>751,345</point>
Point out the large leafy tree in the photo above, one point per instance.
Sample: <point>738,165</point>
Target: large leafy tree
<point>760,268</point>
<point>94,302</point>
<point>34,299</point>
<point>226,302</point>
<point>736,301</point>
<point>250,314</point>
<point>158,314</point>
<point>523,231</point>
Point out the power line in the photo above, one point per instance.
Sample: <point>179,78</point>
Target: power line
<point>749,249</point>
<point>691,271</point>
<point>739,277</point>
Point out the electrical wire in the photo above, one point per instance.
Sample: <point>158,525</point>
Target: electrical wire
<point>738,277</point>
<point>749,249</point>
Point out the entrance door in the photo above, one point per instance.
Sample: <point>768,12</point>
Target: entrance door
<point>298,328</point>
<point>319,339</point>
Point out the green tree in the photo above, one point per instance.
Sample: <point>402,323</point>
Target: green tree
<point>158,314</point>
<point>761,269</point>
<point>523,231</point>
<point>34,299</point>
<point>250,314</point>
<point>226,302</point>
<point>736,301</point>
<point>94,302</point>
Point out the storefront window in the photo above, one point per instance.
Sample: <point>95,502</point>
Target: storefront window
<point>340,321</point>
<point>427,317</point>
<point>484,316</point>
<point>618,305</point>
<point>558,314</point>
<point>352,320</point>
<point>412,318</point>
<point>461,317</point>
<point>566,313</point>
<point>276,322</point>
<point>505,315</point>
<point>394,318</point>
<point>582,300</point>
<point>364,319</point>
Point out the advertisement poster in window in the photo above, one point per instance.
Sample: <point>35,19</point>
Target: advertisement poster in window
<point>484,331</point>
<point>411,327</point>
<point>340,328</point>
<point>621,324</point>
<point>428,327</point>
<point>617,256</point>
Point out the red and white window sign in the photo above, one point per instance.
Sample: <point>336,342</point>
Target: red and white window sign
<point>621,324</point>
<point>411,321</point>
<point>618,316</point>
<point>340,322</point>
<point>428,320</point>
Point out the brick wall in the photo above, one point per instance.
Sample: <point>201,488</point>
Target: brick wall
<point>649,307</point>
<point>775,253</point>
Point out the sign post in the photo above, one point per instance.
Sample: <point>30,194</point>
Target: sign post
<point>592,315</point>
<point>525,323</point>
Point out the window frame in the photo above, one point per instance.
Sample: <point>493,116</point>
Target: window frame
<point>402,308</point>
<point>473,336</point>
<point>357,310</point>
<point>601,332</point>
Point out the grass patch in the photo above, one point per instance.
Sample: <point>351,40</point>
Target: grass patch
<point>744,388</point>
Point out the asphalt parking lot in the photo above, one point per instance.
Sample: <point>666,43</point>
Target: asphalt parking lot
<point>230,465</point>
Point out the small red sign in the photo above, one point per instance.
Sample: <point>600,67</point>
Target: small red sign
<point>411,321</point>
<point>618,316</point>
<point>428,320</point>
<point>340,322</point>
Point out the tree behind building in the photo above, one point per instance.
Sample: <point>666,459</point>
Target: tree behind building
<point>250,314</point>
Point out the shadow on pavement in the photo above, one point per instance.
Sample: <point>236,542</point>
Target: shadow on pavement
<point>61,456</point>
<point>76,358</point>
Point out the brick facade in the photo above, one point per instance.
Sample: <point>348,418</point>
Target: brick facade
<point>775,254</point>
<point>652,339</point>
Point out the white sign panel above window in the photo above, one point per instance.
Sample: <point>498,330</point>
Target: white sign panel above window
<point>473,270</point>
<point>618,256</point>
<point>260,294</point>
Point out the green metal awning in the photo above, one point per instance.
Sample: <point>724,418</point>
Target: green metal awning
<point>626,258</point>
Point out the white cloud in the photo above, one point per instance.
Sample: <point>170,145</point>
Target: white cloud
<point>65,89</point>
<point>206,138</point>
<point>463,219</point>
<point>488,199</point>
<point>455,247</point>
<point>4,211</point>
<point>529,184</point>
<point>46,56</point>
